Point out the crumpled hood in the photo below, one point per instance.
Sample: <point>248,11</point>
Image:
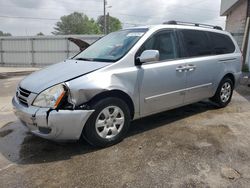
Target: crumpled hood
<point>58,73</point>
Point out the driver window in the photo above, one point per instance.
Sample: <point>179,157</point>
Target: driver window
<point>164,42</point>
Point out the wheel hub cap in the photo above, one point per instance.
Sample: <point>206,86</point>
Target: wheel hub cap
<point>226,91</point>
<point>109,122</point>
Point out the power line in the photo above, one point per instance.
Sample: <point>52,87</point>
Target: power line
<point>57,19</point>
<point>89,10</point>
<point>133,15</point>
<point>196,2</point>
<point>94,10</point>
<point>123,14</point>
<point>114,12</point>
<point>29,18</point>
<point>52,8</point>
<point>189,7</point>
<point>47,19</point>
<point>172,10</point>
<point>134,24</point>
<point>82,1</point>
<point>149,16</point>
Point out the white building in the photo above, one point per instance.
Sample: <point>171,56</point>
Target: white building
<point>237,22</point>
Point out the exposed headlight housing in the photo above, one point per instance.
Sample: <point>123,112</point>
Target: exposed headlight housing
<point>51,97</point>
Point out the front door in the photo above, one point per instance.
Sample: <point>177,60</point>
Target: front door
<point>162,83</point>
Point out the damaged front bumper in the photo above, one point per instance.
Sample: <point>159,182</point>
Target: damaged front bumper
<point>52,124</point>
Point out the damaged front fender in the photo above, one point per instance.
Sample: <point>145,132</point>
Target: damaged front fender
<point>84,89</point>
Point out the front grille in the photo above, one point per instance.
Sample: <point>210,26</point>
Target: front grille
<point>22,95</point>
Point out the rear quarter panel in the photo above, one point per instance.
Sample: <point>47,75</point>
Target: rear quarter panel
<point>228,64</point>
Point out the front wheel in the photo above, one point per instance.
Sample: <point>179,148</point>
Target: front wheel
<point>224,93</point>
<point>109,122</point>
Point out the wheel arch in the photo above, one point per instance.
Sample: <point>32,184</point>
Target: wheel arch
<point>231,76</point>
<point>117,94</point>
<point>227,75</point>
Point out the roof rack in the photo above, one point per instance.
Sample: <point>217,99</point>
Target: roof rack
<point>173,22</point>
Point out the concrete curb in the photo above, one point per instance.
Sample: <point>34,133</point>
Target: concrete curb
<point>7,72</point>
<point>6,75</point>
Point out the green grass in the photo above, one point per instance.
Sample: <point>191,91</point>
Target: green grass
<point>245,68</point>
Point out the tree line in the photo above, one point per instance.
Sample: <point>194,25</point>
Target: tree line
<point>4,34</point>
<point>80,23</point>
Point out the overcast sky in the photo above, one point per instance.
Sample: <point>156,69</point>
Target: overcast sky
<point>45,13</point>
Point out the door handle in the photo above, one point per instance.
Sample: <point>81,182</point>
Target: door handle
<point>181,68</point>
<point>191,67</point>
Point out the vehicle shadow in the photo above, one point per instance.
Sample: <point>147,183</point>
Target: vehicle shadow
<point>168,117</point>
<point>35,150</point>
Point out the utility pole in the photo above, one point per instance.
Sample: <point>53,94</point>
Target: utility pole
<point>108,23</point>
<point>104,17</point>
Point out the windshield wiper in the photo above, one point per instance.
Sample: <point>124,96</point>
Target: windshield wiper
<point>103,60</point>
<point>84,59</point>
<point>95,59</point>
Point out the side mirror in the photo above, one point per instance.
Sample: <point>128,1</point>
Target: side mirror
<point>148,56</point>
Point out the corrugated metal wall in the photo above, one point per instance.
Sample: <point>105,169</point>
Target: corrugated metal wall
<point>40,50</point>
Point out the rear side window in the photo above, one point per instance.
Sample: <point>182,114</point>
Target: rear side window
<point>222,44</point>
<point>196,43</point>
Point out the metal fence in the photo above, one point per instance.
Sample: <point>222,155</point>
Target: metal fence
<point>39,50</point>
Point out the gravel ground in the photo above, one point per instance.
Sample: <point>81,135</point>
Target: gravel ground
<point>193,146</point>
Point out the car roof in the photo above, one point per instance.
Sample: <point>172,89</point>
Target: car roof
<point>168,26</point>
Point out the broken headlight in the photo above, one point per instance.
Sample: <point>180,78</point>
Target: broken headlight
<point>51,97</point>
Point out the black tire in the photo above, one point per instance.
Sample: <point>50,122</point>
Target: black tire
<point>90,132</point>
<point>217,99</point>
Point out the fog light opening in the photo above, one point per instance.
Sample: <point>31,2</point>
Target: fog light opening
<point>44,130</point>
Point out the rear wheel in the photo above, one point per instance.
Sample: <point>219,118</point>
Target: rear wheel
<point>224,93</point>
<point>109,122</point>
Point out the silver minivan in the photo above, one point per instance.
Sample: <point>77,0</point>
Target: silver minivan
<point>127,75</point>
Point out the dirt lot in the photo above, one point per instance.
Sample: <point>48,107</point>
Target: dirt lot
<point>194,146</point>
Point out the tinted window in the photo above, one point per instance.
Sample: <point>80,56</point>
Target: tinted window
<point>196,43</point>
<point>164,42</point>
<point>222,44</point>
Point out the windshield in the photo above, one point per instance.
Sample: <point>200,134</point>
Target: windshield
<point>112,47</point>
